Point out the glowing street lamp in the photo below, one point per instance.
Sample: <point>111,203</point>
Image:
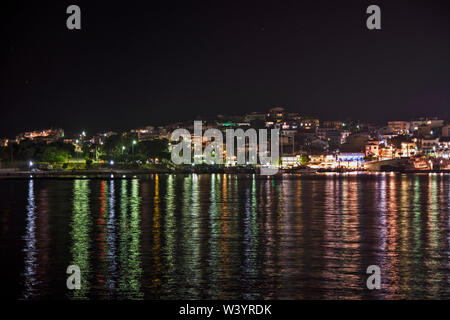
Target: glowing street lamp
<point>123,148</point>
<point>132,146</point>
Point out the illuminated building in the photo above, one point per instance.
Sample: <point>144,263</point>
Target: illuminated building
<point>308,123</point>
<point>372,148</point>
<point>47,135</point>
<point>399,127</point>
<point>146,134</point>
<point>387,152</point>
<point>424,130</point>
<point>99,138</point>
<point>277,114</point>
<point>290,162</point>
<point>446,131</point>
<point>255,116</point>
<point>351,160</point>
<point>332,124</point>
<point>431,122</point>
<point>408,149</point>
<point>344,135</point>
<point>443,148</point>
<point>327,161</point>
<point>429,145</point>
<point>4,142</point>
<point>333,138</point>
<point>322,132</point>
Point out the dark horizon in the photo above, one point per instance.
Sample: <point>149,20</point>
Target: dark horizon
<point>150,64</point>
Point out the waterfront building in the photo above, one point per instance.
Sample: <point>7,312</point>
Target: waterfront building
<point>291,161</point>
<point>327,161</point>
<point>387,152</point>
<point>372,148</point>
<point>429,145</point>
<point>443,148</point>
<point>350,160</point>
<point>408,149</point>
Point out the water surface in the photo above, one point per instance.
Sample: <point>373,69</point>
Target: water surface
<point>227,236</point>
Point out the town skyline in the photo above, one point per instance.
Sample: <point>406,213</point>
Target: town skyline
<point>74,130</point>
<point>321,144</point>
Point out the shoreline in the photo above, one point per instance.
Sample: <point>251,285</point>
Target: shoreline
<point>135,173</point>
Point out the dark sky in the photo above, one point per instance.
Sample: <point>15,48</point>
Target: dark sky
<point>138,63</point>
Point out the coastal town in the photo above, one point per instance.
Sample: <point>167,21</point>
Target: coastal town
<point>307,144</point>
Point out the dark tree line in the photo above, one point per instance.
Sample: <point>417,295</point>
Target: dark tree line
<point>39,151</point>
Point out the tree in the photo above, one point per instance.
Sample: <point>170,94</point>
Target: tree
<point>153,149</point>
<point>53,154</point>
<point>118,147</point>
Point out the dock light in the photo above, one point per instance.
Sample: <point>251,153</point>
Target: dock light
<point>30,164</point>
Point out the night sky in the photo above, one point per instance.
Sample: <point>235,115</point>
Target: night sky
<point>137,63</point>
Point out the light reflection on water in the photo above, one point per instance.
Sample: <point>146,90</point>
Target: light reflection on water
<point>231,236</point>
<point>30,250</point>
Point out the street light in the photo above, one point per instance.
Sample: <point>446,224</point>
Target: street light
<point>123,148</point>
<point>132,146</point>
